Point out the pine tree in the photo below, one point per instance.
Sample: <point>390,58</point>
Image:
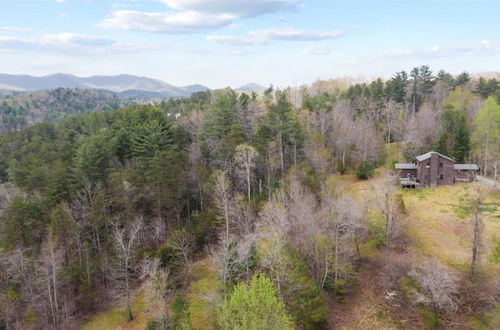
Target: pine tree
<point>92,158</point>
<point>4,168</point>
<point>150,138</point>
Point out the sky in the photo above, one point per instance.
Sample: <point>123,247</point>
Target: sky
<point>221,43</point>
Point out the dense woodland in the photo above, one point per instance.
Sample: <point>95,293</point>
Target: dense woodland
<point>19,110</point>
<point>95,207</point>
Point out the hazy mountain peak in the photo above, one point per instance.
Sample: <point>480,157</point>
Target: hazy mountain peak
<point>251,87</point>
<point>118,83</point>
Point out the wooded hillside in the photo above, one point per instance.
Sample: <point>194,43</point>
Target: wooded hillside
<point>255,211</point>
<point>21,109</point>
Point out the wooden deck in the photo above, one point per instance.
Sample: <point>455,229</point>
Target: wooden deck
<point>408,183</point>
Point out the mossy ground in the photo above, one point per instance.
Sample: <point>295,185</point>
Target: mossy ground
<point>116,317</point>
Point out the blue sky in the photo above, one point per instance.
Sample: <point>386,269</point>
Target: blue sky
<point>231,42</point>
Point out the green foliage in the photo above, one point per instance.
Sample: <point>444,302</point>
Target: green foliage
<point>282,128</point>
<point>150,137</point>
<point>254,306</point>
<point>204,225</point>
<point>486,136</point>
<point>486,88</point>
<point>376,228</point>
<point>323,101</point>
<point>455,139</point>
<point>365,170</point>
<point>304,300</point>
<point>396,87</point>
<point>22,224</point>
<point>180,314</point>
<point>92,158</point>
<point>462,79</point>
<point>170,257</point>
<point>223,130</point>
<point>4,169</point>
<point>20,109</point>
<point>495,255</point>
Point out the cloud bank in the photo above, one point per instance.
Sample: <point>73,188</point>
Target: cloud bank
<point>192,16</point>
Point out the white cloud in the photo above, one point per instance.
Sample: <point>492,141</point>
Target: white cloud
<point>237,8</point>
<point>483,47</point>
<point>317,49</point>
<point>184,22</point>
<point>72,44</point>
<point>285,34</point>
<point>75,39</point>
<point>295,34</point>
<point>15,29</point>
<point>233,40</point>
<point>191,16</point>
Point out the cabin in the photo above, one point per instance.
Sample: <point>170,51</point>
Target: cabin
<point>433,169</point>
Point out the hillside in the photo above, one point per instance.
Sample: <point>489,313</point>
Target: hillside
<point>120,84</point>
<point>279,210</point>
<point>20,110</point>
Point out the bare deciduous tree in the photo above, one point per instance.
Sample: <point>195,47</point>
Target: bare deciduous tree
<point>440,286</point>
<point>244,157</point>
<point>223,197</point>
<point>478,209</point>
<point>126,239</point>
<point>160,282</point>
<point>385,201</point>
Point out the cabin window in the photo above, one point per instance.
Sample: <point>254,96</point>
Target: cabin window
<point>440,164</point>
<point>441,177</point>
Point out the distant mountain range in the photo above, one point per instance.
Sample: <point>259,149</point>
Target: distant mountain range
<point>124,84</point>
<point>252,87</point>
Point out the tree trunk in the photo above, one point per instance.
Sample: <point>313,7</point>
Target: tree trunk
<point>282,160</point>
<point>248,181</point>
<point>476,238</point>
<point>336,255</point>
<point>127,287</point>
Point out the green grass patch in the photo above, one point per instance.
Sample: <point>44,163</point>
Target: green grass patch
<point>116,317</point>
<point>204,295</point>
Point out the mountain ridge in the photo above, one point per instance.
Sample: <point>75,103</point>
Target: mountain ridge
<point>116,83</point>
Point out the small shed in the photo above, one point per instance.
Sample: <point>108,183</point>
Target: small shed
<point>406,170</point>
<point>465,172</point>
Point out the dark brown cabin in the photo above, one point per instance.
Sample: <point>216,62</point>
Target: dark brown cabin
<point>434,169</point>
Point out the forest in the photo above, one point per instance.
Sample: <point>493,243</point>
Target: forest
<point>19,110</point>
<point>272,210</point>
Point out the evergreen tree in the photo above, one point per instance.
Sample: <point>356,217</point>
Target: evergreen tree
<point>462,79</point>
<point>282,127</point>
<point>396,87</point>
<point>23,224</point>
<point>455,137</point>
<point>92,158</point>
<point>4,168</point>
<point>149,138</point>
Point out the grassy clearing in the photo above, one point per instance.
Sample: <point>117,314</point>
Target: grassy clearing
<point>440,230</point>
<point>204,295</point>
<point>116,317</point>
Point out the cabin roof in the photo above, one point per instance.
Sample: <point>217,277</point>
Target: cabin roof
<point>429,154</point>
<point>469,167</point>
<point>405,166</point>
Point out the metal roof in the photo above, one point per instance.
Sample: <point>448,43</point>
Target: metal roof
<point>405,166</point>
<point>429,154</point>
<point>470,167</point>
